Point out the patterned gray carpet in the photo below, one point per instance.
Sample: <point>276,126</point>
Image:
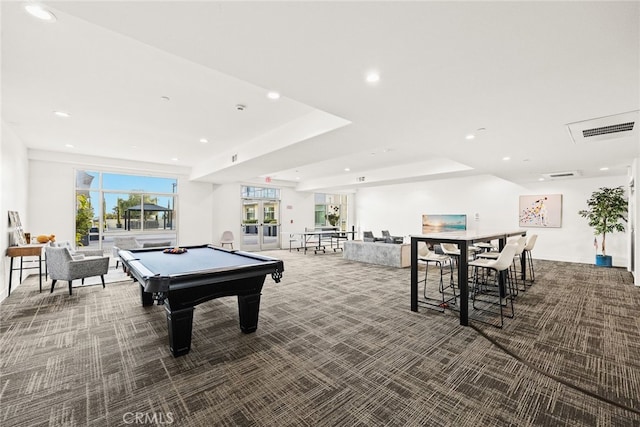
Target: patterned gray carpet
<point>336,345</point>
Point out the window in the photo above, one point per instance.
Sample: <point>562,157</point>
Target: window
<point>260,193</point>
<point>108,204</point>
<point>331,210</point>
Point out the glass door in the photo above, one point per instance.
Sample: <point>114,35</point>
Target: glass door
<point>260,225</point>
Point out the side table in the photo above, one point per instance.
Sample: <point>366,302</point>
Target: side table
<point>23,251</point>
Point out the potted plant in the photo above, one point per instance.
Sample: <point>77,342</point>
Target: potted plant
<point>84,219</point>
<point>607,207</point>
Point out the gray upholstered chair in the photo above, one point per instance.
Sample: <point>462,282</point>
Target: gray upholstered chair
<point>391,239</point>
<point>77,253</point>
<point>124,243</point>
<point>62,266</point>
<point>368,236</point>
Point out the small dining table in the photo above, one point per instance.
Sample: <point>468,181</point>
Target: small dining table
<point>464,239</point>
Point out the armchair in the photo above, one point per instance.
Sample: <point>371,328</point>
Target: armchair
<point>77,253</point>
<point>391,239</point>
<point>124,243</point>
<point>367,236</point>
<point>62,266</point>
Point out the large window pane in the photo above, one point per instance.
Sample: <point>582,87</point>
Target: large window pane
<point>136,183</point>
<point>331,210</point>
<point>124,204</point>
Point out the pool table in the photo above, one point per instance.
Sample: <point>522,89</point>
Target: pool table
<point>202,273</point>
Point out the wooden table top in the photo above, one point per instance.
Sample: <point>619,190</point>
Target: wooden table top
<point>26,250</point>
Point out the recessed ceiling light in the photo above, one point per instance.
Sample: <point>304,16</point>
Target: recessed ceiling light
<point>297,177</point>
<point>273,95</point>
<point>62,114</point>
<point>373,77</point>
<point>40,12</point>
<point>506,158</point>
<point>604,168</point>
<point>204,140</point>
<point>347,169</point>
<point>540,179</point>
<point>175,159</point>
<point>470,136</point>
<point>134,146</point>
<point>68,145</point>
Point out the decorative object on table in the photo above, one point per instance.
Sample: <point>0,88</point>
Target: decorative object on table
<point>607,207</point>
<point>541,211</point>
<point>18,237</point>
<point>175,251</point>
<point>438,223</point>
<point>333,215</point>
<point>44,238</point>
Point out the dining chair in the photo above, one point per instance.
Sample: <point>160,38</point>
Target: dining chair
<point>227,239</point>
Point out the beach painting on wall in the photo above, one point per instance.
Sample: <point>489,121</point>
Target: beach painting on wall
<point>541,211</point>
<point>439,223</point>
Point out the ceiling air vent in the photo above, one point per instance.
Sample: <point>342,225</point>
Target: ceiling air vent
<point>559,175</point>
<point>622,127</point>
<point>360,179</point>
<point>603,128</point>
<point>234,158</point>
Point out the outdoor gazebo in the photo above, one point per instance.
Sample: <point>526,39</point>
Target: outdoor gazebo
<point>145,209</point>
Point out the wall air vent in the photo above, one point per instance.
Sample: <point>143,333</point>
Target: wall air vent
<point>360,179</point>
<point>604,128</point>
<point>560,175</point>
<point>234,158</point>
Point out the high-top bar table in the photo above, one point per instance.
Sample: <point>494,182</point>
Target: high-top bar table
<point>463,239</point>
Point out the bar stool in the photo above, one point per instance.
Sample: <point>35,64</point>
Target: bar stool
<point>531,242</point>
<point>427,256</point>
<point>453,251</point>
<point>497,266</point>
<point>520,242</point>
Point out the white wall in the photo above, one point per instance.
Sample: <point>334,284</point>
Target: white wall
<point>399,208</point>
<point>297,212</point>
<point>14,181</point>
<point>195,205</point>
<point>226,213</point>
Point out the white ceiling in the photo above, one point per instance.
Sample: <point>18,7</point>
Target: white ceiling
<point>520,70</point>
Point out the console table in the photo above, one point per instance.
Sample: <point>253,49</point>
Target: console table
<point>389,254</point>
<point>23,251</point>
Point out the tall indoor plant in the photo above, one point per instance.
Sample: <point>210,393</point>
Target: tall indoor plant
<point>607,208</point>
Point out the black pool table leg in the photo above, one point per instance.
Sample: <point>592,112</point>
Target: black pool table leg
<point>179,323</point>
<point>146,297</point>
<point>248,308</point>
